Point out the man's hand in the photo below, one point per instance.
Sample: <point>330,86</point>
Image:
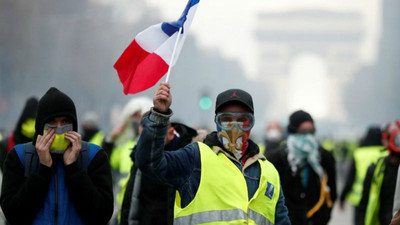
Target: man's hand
<point>72,152</point>
<point>162,97</point>
<point>42,145</point>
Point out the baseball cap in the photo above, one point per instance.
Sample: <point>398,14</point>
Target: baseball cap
<point>234,95</point>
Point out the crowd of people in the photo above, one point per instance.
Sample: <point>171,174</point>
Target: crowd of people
<point>151,170</point>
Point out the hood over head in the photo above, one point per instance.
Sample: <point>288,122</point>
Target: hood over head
<point>54,103</point>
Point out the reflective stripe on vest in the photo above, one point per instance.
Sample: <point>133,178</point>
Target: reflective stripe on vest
<point>371,215</point>
<point>363,157</point>
<point>222,194</point>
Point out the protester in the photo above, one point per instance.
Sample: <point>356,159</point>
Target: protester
<point>274,138</point>
<point>91,131</point>
<point>24,129</point>
<point>376,204</point>
<point>370,150</point>
<point>307,172</point>
<point>119,144</point>
<point>147,201</point>
<point>57,178</point>
<point>221,180</point>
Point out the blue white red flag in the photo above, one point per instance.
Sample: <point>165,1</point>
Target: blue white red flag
<point>146,60</point>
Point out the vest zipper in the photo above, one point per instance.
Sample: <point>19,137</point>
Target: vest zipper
<point>56,196</point>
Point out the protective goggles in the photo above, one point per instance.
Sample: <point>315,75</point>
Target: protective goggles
<point>227,120</point>
<point>59,130</point>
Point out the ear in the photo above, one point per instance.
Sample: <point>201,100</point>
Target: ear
<point>170,134</point>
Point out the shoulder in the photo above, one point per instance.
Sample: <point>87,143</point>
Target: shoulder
<point>278,155</point>
<point>269,166</point>
<point>13,161</point>
<point>325,154</point>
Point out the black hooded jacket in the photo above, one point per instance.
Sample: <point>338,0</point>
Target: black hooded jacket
<point>90,191</point>
<point>17,137</point>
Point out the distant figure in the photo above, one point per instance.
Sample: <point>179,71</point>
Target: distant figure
<point>307,172</point>
<point>273,139</point>
<point>91,130</point>
<point>376,204</point>
<point>119,144</point>
<point>147,201</point>
<point>370,150</point>
<point>57,178</point>
<point>24,129</point>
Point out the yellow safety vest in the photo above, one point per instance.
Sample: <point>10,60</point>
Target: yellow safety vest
<point>97,139</point>
<point>363,157</point>
<point>121,161</point>
<point>371,215</point>
<point>222,196</point>
<point>262,147</point>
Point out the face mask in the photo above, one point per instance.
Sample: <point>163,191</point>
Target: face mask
<point>303,148</point>
<point>60,144</point>
<point>234,131</point>
<point>28,127</point>
<point>273,135</point>
<point>304,143</point>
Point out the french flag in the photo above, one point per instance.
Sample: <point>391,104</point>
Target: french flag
<point>147,58</point>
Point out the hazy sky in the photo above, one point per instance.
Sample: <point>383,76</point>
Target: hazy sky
<point>228,25</point>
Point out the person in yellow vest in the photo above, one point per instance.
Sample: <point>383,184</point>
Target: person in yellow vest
<point>370,150</point>
<point>24,129</point>
<point>91,131</point>
<point>307,171</point>
<point>376,203</point>
<point>119,144</point>
<point>222,180</point>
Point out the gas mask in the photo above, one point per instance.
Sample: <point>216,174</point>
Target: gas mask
<point>394,140</point>
<point>60,144</point>
<point>233,130</point>
<point>28,127</point>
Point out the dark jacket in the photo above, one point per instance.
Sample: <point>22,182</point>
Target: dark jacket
<point>154,200</point>
<point>182,168</point>
<point>90,192</point>
<point>300,200</point>
<point>386,193</point>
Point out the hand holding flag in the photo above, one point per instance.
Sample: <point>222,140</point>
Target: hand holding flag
<point>153,51</point>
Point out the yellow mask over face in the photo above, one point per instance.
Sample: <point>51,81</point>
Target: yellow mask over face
<point>28,127</point>
<point>60,144</point>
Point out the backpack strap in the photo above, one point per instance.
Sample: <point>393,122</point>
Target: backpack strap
<point>88,152</point>
<point>30,160</point>
<point>28,157</point>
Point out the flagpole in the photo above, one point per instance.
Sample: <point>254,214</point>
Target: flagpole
<point>173,54</point>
